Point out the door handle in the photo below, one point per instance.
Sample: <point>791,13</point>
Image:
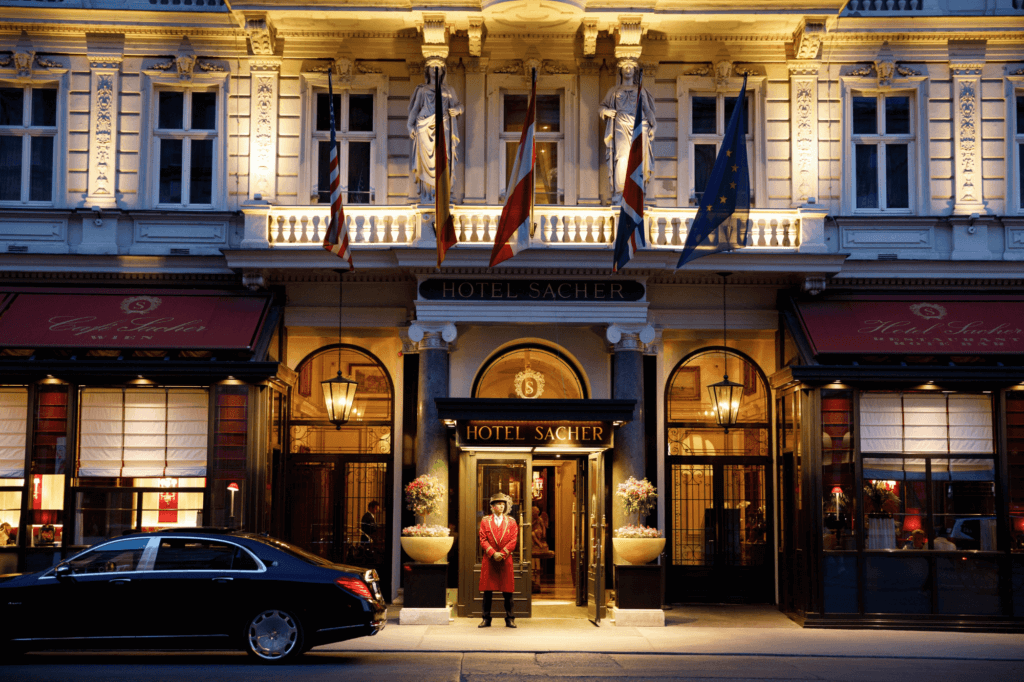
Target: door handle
<point>222,579</point>
<point>120,581</point>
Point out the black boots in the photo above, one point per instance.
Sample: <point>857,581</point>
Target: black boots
<point>486,623</point>
<point>509,622</point>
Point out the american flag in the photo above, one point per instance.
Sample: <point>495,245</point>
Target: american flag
<point>444,223</point>
<point>336,240</point>
<point>631,215</point>
<point>517,214</point>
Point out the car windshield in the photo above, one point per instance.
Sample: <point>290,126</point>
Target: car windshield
<point>296,552</point>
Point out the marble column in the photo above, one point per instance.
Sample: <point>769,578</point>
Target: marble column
<point>628,456</point>
<point>432,339</point>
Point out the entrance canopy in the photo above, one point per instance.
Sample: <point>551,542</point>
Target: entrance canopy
<point>537,426</point>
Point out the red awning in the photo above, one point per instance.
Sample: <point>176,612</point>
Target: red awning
<point>908,324</point>
<point>131,319</point>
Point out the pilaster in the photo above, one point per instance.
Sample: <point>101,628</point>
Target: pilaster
<point>803,137</point>
<point>263,99</point>
<point>812,225</point>
<point>966,61</point>
<point>256,212</point>
<point>433,339</point>
<point>590,133</point>
<point>105,54</point>
<point>476,131</point>
<point>628,456</point>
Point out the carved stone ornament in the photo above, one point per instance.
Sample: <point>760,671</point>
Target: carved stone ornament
<point>1018,72</point>
<point>589,37</point>
<point>342,67</point>
<point>186,66</point>
<point>805,140</point>
<point>814,284</point>
<point>699,71</point>
<point>262,36</point>
<point>263,142</point>
<point>552,67</point>
<point>724,70</point>
<point>630,30</point>
<point>513,67</point>
<point>103,135</point>
<point>23,62</point>
<point>967,102</point>
<point>885,71</point>
<point>476,36</point>
<point>808,40</point>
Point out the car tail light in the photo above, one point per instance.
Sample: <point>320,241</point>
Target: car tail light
<point>355,586</point>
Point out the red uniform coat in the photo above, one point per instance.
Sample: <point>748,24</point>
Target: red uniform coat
<point>497,575</point>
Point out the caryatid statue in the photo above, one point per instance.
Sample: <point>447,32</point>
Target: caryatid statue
<point>422,163</point>
<point>619,107</point>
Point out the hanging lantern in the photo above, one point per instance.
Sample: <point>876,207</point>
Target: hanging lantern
<point>725,400</point>
<point>339,396</point>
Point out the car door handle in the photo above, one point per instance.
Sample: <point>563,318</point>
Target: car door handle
<point>120,581</point>
<point>222,579</point>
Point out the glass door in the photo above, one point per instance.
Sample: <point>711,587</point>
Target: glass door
<point>596,543</point>
<point>484,475</point>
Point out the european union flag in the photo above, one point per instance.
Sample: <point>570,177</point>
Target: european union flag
<point>721,222</point>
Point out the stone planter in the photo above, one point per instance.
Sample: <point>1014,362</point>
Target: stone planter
<point>638,551</point>
<point>427,550</point>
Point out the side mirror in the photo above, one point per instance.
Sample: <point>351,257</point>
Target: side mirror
<point>63,573</point>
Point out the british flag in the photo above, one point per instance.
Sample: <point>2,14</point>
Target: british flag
<point>337,239</point>
<point>631,215</point>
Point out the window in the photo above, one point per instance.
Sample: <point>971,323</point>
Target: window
<point>185,135</point>
<point>1019,144</point>
<point>530,372</point>
<point>114,557</point>
<point>709,116</point>
<point>882,141</point>
<point>928,466</point>
<point>354,120</point>
<point>13,416</point>
<point>188,554</point>
<point>548,135</point>
<point>28,126</point>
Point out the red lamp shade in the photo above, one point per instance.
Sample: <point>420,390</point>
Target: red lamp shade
<point>233,487</point>
<point>911,523</point>
<point>836,490</point>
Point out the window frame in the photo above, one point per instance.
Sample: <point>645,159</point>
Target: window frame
<point>1014,147</point>
<point>55,78</point>
<point>260,566</point>
<point>156,81</point>
<point>539,137</point>
<point>563,85</point>
<point>918,175</point>
<point>690,86</point>
<point>314,83</point>
<point>344,136</point>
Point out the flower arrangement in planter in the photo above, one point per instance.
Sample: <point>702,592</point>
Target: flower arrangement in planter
<point>423,496</point>
<point>637,544</point>
<point>425,543</point>
<point>880,500</point>
<point>640,498</point>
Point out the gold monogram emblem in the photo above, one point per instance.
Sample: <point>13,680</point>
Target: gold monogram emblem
<point>140,304</point>
<point>529,384</point>
<point>929,311</point>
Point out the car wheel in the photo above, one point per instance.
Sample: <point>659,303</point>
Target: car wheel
<point>273,636</point>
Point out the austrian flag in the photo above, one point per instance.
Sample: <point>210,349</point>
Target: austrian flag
<point>518,212</point>
<point>631,216</point>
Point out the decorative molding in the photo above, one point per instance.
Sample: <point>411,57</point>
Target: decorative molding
<point>552,67</point>
<point>429,334</point>
<point>23,62</point>
<point>650,69</point>
<point>1018,72</point>
<point>810,67</point>
<point>885,72</point>
<point>476,36</point>
<point>966,68</point>
<point>104,96</point>
<point>475,65</point>
<point>629,336</point>
<point>264,65</point>
<point>699,71</point>
<point>967,143</point>
<point>262,36</point>
<point>186,66</point>
<point>435,46</point>
<point>814,284</point>
<point>808,40</point>
<point>588,67</point>
<point>589,37</point>
<point>630,30</point>
<point>514,67</point>
<point>805,139</point>
<point>262,149</point>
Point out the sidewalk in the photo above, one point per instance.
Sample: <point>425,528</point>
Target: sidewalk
<point>722,630</point>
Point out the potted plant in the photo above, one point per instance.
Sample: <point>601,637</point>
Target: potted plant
<point>637,544</point>
<point>426,544</point>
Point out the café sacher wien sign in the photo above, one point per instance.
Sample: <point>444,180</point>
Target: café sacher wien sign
<point>529,290</point>
<point>534,434</point>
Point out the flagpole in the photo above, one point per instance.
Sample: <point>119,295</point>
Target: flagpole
<point>533,197</point>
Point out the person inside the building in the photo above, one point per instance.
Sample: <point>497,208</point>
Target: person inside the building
<point>368,524</point>
<point>918,540</point>
<point>5,533</point>
<point>498,536</point>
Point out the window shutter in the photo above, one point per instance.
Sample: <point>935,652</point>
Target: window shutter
<point>926,423</point>
<point>144,433</point>
<point>970,424</point>
<point>881,422</point>
<point>13,424</point>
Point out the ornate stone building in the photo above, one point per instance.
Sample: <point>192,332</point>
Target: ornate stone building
<point>167,312</point>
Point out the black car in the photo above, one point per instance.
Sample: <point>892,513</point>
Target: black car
<point>193,589</point>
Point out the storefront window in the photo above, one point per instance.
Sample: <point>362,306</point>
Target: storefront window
<point>1015,461</point>
<point>530,372</point>
<point>837,477</point>
<point>933,499</point>
<point>13,421</point>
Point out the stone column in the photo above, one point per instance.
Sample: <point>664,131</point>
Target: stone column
<point>628,456</point>
<point>433,339</point>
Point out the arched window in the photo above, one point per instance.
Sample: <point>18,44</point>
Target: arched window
<point>347,468</point>
<point>530,371</point>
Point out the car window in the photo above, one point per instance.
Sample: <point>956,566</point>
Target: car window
<point>113,557</point>
<point>294,551</point>
<point>184,554</point>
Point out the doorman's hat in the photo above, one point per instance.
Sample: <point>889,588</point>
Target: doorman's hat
<point>502,497</point>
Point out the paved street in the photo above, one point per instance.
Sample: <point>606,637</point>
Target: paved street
<point>721,643</point>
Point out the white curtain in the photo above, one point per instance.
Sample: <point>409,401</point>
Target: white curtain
<point>13,425</point>
<point>143,432</point>
<point>926,423</point>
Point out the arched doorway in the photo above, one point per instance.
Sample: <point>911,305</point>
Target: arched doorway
<point>339,481</point>
<point>719,497</point>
